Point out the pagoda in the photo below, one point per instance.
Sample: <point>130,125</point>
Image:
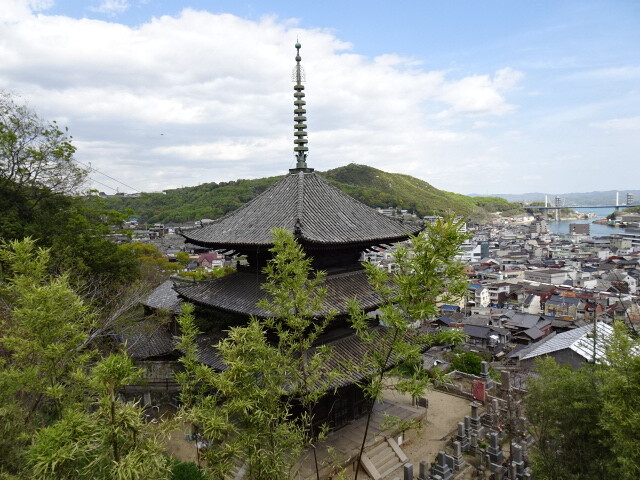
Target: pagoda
<point>332,228</point>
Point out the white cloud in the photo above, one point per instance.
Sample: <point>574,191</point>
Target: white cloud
<point>112,7</point>
<point>16,10</point>
<point>481,94</point>
<point>198,97</point>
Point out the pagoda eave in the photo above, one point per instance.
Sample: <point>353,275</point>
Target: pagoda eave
<point>241,291</point>
<point>362,244</point>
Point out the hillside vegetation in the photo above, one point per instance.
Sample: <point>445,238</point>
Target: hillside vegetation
<point>369,185</point>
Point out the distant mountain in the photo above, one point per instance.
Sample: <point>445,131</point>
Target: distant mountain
<point>586,198</point>
<point>371,186</point>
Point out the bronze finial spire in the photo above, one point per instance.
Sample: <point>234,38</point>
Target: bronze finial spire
<point>300,132</point>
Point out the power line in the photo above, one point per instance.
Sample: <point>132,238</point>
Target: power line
<point>108,176</point>
<point>103,184</point>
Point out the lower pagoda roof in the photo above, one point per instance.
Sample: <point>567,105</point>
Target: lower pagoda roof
<point>239,293</point>
<point>308,206</point>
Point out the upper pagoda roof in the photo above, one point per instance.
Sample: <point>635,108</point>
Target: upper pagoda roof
<point>312,209</point>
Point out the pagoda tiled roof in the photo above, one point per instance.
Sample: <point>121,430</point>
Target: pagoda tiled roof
<point>308,206</point>
<point>349,351</point>
<point>147,339</point>
<point>164,297</point>
<point>239,292</point>
<point>346,352</point>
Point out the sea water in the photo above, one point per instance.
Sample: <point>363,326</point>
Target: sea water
<point>597,230</point>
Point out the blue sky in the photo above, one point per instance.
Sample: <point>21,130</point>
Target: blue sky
<point>473,97</point>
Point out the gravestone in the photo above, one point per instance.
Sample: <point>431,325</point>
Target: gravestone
<point>467,425</point>
<point>475,416</point>
<point>424,471</point>
<point>505,380</point>
<point>462,436</point>
<point>441,468</point>
<point>473,444</point>
<point>517,460</point>
<point>485,375</point>
<point>494,450</point>
<point>408,471</point>
<point>458,459</point>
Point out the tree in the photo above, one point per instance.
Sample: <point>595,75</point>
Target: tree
<point>36,165</point>
<point>149,257</point>
<point>47,341</point>
<point>271,365</point>
<point>36,157</point>
<point>271,369</point>
<point>43,330</point>
<point>242,414</point>
<point>295,299</point>
<point>39,180</point>
<point>585,422</point>
<point>183,258</point>
<point>620,393</point>
<point>467,362</point>
<point>563,407</point>
<point>427,273</point>
<point>112,442</point>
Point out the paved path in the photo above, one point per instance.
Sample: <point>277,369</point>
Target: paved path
<point>445,411</point>
<point>342,446</point>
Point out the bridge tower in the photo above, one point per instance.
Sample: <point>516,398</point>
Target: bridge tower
<point>629,198</point>
<point>558,206</point>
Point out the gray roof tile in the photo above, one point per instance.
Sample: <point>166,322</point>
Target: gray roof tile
<point>239,292</point>
<point>309,206</point>
<point>164,297</point>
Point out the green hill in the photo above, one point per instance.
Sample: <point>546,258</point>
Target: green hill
<point>369,185</point>
<point>381,189</point>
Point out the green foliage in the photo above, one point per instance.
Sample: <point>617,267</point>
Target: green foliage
<point>201,274</point>
<point>427,273</point>
<point>209,200</point>
<point>620,392</point>
<point>36,158</point>
<point>192,387</point>
<point>250,415</point>
<point>58,417</point>
<point>183,258</point>
<point>37,177</point>
<point>563,406</point>
<point>149,258</point>
<point>246,416</point>
<point>44,328</point>
<point>376,188</point>
<point>586,421</point>
<point>111,442</point>
<point>498,204</point>
<point>467,362</point>
<point>186,471</point>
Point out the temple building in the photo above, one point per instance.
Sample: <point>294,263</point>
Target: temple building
<point>332,228</point>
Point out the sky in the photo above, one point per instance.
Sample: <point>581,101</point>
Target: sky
<point>492,96</point>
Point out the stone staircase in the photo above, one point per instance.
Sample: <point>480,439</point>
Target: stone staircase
<point>383,459</point>
<point>238,470</point>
